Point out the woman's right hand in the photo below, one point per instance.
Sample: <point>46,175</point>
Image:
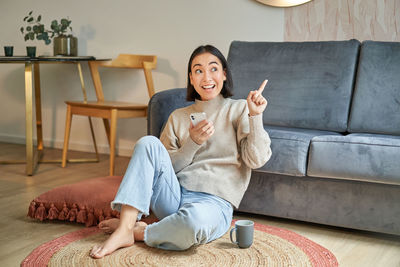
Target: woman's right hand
<point>201,132</point>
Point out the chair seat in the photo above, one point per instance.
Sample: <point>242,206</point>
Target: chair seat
<point>108,105</point>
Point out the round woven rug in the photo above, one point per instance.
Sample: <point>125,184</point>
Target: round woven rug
<point>272,246</point>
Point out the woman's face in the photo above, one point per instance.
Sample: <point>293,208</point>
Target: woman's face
<point>207,76</point>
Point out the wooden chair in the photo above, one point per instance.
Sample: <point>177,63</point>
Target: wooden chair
<point>110,110</point>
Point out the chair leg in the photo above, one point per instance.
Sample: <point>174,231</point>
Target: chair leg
<point>94,139</point>
<point>107,127</point>
<point>66,136</point>
<point>113,132</point>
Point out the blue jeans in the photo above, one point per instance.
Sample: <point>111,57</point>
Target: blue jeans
<point>186,217</point>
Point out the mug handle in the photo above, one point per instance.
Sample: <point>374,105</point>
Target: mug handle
<point>231,233</point>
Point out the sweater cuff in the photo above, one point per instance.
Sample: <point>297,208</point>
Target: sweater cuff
<point>190,147</point>
<point>256,123</point>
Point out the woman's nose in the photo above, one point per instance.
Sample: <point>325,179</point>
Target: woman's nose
<point>207,75</point>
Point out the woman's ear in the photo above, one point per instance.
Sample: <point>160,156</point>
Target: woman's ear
<point>224,79</point>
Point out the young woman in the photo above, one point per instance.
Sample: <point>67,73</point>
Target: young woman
<point>194,176</point>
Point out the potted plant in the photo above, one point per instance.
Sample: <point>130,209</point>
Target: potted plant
<point>64,44</point>
<point>34,30</point>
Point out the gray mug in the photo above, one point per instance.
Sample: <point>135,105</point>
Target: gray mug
<point>244,233</point>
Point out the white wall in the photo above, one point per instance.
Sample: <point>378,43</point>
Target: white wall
<point>169,29</point>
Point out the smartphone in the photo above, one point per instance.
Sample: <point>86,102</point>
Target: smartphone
<point>195,118</point>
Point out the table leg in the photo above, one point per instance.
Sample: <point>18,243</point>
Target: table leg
<point>30,161</point>
<point>39,129</point>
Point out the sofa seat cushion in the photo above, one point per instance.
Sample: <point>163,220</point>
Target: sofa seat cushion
<point>289,149</point>
<point>363,157</point>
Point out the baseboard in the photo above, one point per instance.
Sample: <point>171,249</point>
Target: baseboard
<point>78,146</point>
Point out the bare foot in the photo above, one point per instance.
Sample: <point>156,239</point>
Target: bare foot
<point>109,226</point>
<point>121,238</point>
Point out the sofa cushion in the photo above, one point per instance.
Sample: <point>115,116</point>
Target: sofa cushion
<point>376,101</point>
<point>363,157</point>
<point>289,150</point>
<point>161,106</point>
<point>310,83</point>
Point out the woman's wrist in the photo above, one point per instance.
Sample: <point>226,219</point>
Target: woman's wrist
<point>253,114</point>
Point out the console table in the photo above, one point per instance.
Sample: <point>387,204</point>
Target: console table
<point>32,83</point>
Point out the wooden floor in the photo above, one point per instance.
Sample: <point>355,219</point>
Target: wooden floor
<point>19,235</point>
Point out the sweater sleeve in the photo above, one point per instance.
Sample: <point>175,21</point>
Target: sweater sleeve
<point>181,152</point>
<point>254,141</point>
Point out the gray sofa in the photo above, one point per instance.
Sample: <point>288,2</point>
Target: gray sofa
<point>334,121</point>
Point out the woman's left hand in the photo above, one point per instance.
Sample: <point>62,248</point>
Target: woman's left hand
<point>256,102</point>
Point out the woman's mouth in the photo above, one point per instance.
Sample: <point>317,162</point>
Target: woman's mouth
<point>208,87</point>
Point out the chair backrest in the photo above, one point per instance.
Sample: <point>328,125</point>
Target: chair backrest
<point>127,61</point>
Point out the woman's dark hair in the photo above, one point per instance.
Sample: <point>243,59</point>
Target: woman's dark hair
<point>226,91</point>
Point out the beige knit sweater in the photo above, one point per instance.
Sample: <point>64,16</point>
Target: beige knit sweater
<point>222,165</point>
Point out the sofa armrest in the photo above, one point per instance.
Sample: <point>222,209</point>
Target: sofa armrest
<point>161,106</point>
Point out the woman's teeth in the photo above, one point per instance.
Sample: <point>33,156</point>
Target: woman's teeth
<point>208,86</point>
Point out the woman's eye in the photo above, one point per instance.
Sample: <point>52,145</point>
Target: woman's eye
<point>214,69</point>
<point>197,71</point>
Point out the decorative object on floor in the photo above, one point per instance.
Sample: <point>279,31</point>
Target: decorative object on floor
<point>272,246</point>
<point>85,202</point>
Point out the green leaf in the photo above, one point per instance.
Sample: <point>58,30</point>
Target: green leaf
<point>39,37</point>
<point>64,22</point>
<point>26,37</point>
<point>35,29</point>
<point>47,41</point>
<point>41,28</point>
<point>30,19</point>
<point>29,28</point>
<point>54,23</point>
<point>32,36</point>
<point>25,18</point>
<point>22,29</point>
<point>30,13</point>
<point>39,18</point>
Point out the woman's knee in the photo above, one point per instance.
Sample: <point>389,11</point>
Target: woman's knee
<point>147,143</point>
<point>147,140</point>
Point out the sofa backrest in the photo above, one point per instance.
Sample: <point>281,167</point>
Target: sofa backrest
<point>376,100</point>
<point>310,83</point>
<point>161,106</point>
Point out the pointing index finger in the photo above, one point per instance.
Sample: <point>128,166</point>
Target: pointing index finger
<point>262,86</point>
